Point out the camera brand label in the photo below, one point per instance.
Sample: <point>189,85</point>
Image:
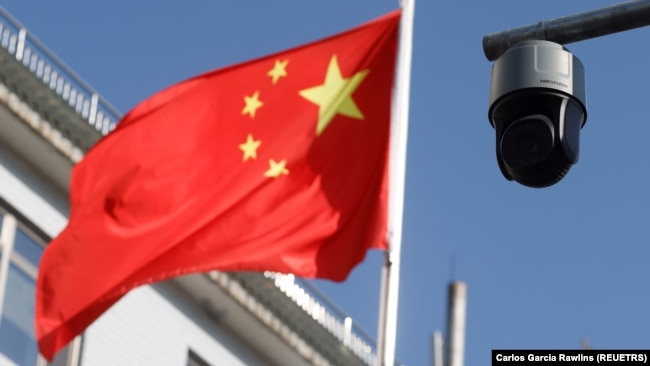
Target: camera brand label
<point>553,82</point>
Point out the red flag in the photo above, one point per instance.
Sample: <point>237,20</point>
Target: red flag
<point>277,164</point>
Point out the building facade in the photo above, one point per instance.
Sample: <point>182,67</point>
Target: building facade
<point>48,118</point>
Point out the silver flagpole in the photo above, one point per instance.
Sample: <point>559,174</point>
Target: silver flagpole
<point>387,332</point>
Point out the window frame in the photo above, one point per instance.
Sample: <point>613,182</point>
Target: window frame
<point>11,222</point>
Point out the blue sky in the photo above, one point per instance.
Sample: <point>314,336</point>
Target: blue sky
<point>544,268</point>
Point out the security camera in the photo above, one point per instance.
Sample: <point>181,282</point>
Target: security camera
<point>537,107</point>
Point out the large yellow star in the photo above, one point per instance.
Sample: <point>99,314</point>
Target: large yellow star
<point>252,104</point>
<point>276,169</point>
<point>250,147</point>
<point>334,96</point>
<point>279,70</point>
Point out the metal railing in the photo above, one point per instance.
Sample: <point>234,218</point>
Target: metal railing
<point>29,51</point>
<point>327,314</point>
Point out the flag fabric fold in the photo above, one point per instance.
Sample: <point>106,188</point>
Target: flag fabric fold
<point>276,164</point>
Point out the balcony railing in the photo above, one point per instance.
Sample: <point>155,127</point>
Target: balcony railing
<point>29,51</point>
<point>327,314</point>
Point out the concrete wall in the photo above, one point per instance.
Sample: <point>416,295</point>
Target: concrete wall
<point>27,191</point>
<point>156,325</point>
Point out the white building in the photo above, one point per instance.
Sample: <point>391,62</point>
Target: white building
<point>48,118</point>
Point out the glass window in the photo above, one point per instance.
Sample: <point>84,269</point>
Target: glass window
<point>17,340</point>
<point>27,247</point>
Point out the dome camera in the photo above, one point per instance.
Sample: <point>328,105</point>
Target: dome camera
<point>537,107</point>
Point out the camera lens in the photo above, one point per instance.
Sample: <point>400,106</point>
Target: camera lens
<point>527,144</point>
<point>529,153</point>
<point>527,141</point>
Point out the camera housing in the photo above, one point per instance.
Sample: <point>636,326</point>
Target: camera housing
<point>537,107</point>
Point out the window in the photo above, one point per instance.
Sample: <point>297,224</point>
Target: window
<point>28,247</point>
<point>17,321</point>
<point>20,253</point>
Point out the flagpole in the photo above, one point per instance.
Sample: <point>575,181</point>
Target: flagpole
<point>387,332</point>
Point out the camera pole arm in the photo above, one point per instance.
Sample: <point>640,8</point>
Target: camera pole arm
<point>572,28</point>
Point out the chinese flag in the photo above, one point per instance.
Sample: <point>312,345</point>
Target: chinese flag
<point>276,164</point>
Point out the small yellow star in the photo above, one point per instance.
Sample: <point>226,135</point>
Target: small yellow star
<point>279,70</point>
<point>250,147</point>
<point>276,169</point>
<point>252,104</point>
<point>334,96</point>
